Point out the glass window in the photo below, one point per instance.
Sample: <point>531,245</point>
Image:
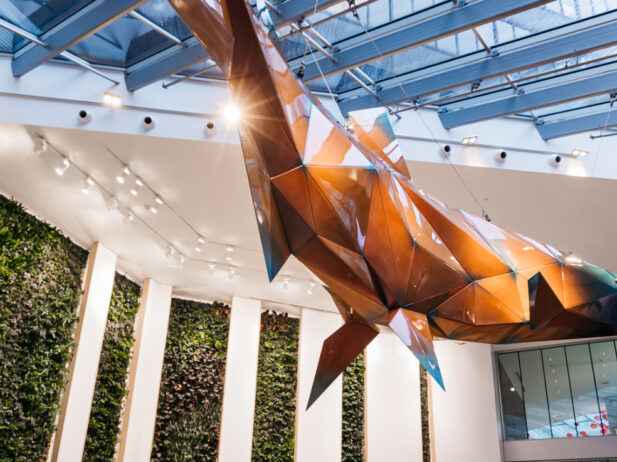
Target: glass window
<point>536,403</point>
<point>559,392</point>
<point>605,370</point>
<point>512,397</point>
<point>584,396</point>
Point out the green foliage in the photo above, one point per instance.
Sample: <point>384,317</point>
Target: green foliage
<point>424,413</point>
<point>353,411</point>
<point>40,286</point>
<point>187,424</point>
<point>113,369</point>
<point>275,401</point>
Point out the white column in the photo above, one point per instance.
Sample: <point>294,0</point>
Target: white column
<point>465,416</point>
<point>318,430</point>
<point>236,441</point>
<point>393,410</point>
<point>70,438</point>
<point>145,375</point>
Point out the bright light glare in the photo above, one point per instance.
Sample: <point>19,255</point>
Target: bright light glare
<point>232,113</point>
<point>470,140</point>
<point>111,99</point>
<point>579,153</point>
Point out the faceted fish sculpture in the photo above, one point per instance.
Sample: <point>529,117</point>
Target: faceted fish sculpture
<point>387,252</point>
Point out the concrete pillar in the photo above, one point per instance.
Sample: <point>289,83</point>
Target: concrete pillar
<point>70,438</point>
<point>238,413</point>
<point>318,430</point>
<point>145,373</point>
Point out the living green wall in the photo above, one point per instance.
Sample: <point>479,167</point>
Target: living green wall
<point>111,385</point>
<point>353,412</point>
<point>191,393</point>
<point>424,413</point>
<point>40,286</point>
<point>275,400</point>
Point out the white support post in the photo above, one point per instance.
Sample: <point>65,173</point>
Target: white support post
<point>70,438</point>
<point>236,441</point>
<point>145,375</point>
<point>393,410</point>
<point>318,430</point>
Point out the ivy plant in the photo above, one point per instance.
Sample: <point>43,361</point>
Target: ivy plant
<point>111,381</point>
<point>353,411</point>
<point>424,413</point>
<point>275,400</point>
<point>191,393</point>
<point>40,286</point>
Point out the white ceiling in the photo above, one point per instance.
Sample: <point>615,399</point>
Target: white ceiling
<point>205,183</point>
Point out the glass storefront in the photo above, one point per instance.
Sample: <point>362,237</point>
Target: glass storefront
<point>559,392</point>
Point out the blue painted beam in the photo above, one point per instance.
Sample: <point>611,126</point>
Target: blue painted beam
<point>534,99</point>
<point>562,47</point>
<point>409,33</point>
<point>164,64</point>
<point>291,10</point>
<point>76,28</point>
<point>580,124</point>
<point>178,58</point>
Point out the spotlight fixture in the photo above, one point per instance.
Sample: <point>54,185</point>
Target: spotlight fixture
<point>64,166</point>
<point>148,123</point>
<point>285,283</point>
<point>158,200</point>
<point>445,151</point>
<point>123,175</point>
<point>83,117</point>
<point>201,240</point>
<point>111,203</point>
<point>211,266</point>
<point>228,258</point>
<point>311,287</point>
<point>136,187</point>
<point>579,153</point>
<point>198,248</point>
<point>210,128</point>
<point>111,99</point>
<point>87,186</point>
<point>500,156</point>
<point>469,140</point>
<point>130,216</point>
<point>230,248</point>
<point>555,161</point>
<point>40,146</point>
<point>574,260</point>
<point>231,273</point>
<point>232,113</point>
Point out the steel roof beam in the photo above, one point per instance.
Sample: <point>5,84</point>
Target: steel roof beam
<point>166,63</point>
<point>408,33</point>
<point>76,28</point>
<point>551,50</point>
<point>585,123</point>
<point>177,58</point>
<point>587,85</point>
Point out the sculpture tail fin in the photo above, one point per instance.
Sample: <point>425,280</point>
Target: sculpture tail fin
<point>338,351</point>
<point>413,329</point>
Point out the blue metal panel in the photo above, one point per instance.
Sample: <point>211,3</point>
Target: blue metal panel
<point>86,22</point>
<point>291,10</point>
<point>164,64</point>
<point>580,124</point>
<point>408,33</point>
<point>534,55</point>
<point>547,96</point>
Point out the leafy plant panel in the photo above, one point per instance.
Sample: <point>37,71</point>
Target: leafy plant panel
<point>187,424</point>
<point>275,401</point>
<point>40,286</point>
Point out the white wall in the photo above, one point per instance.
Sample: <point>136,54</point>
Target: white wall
<point>238,410</point>
<point>393,423</point>
<point>465,416</point>
<point>318,430</point>
<point>70,438</point>
<point>145,373</point>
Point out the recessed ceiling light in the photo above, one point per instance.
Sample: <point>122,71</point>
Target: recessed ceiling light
<point>111,99</point>
<point>470,139</point>
<point>579,153</point>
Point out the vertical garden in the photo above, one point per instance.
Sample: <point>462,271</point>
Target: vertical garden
<point>191,393</point>
<point>40,286</point>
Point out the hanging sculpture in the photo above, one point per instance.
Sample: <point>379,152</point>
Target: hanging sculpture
<point>387,252</point>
